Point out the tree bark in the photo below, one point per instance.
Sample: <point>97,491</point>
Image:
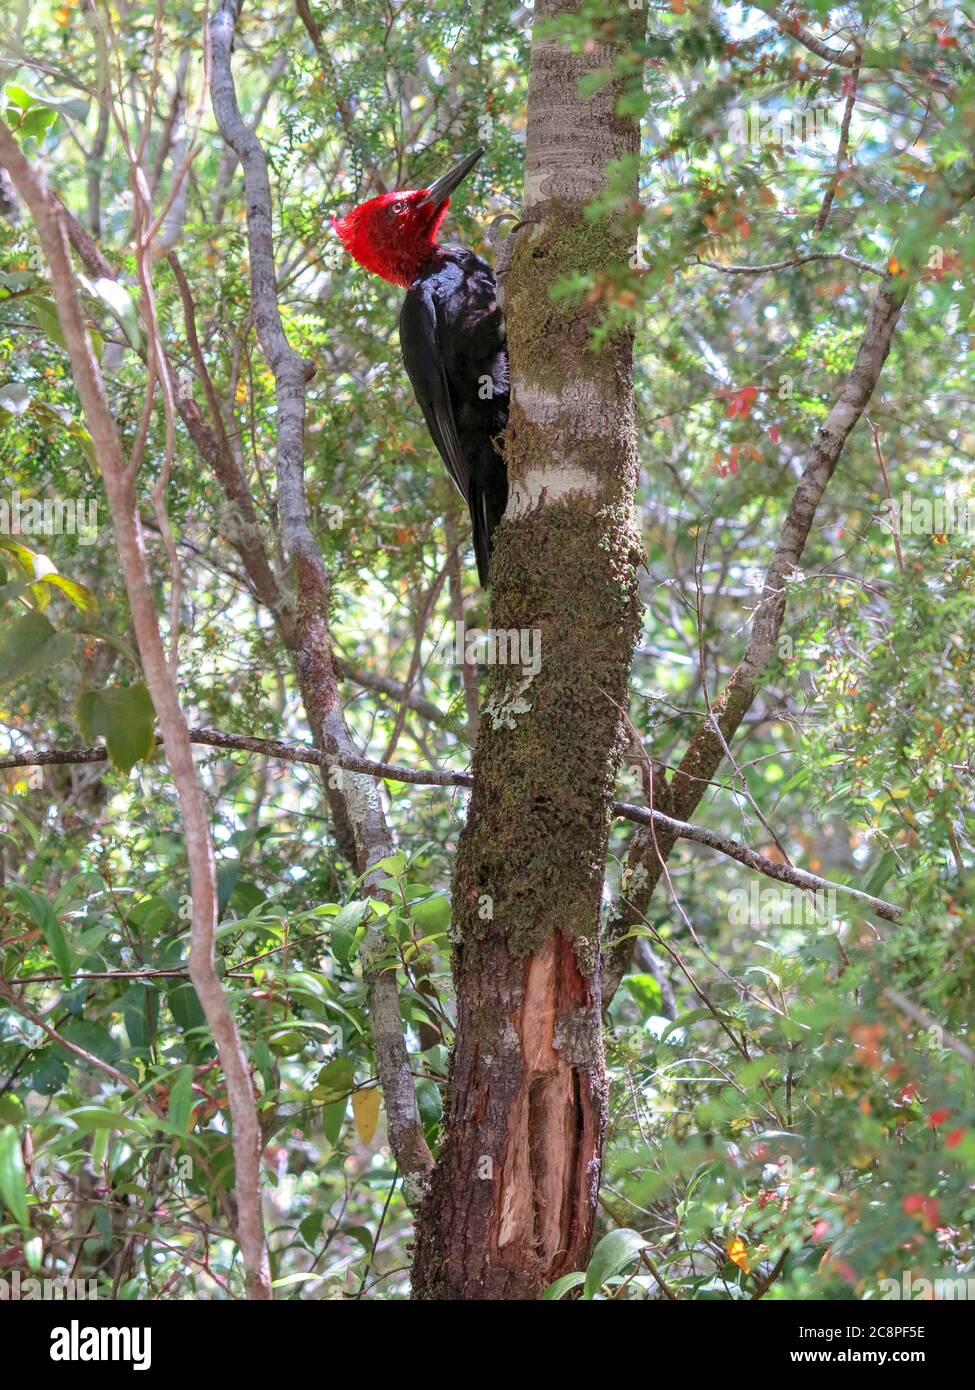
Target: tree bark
<point>514,1192</point>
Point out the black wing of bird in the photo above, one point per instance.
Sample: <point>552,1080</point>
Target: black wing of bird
<point>424,364</point>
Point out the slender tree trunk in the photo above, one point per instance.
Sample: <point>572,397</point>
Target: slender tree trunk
<point>514,1193</point>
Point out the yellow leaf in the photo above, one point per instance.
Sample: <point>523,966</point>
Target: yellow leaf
<point>365,1112</point>
<point>737,1252</point>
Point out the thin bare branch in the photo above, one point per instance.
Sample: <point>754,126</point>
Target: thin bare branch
<point>353,798</point>
<point>844,143</point>
<point>437,777</point>
<point>161,679</point>
<point>773,266</point>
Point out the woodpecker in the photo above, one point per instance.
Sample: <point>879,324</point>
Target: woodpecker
<point>452,337</point>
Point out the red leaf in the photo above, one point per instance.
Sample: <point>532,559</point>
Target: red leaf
<point>740,402</point>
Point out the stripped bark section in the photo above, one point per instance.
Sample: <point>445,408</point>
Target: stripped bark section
<point>556,1120</point>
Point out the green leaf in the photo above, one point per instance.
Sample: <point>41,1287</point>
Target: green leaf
<point>646,992</point>
<point>12,812</point>
<point>118,300</point>
<point>880,872</point>
<point>16,280</point>
<point>345,926</point>
<point>181,1100</point>
<point>93,1037</point>
<point>430,1106</point>
<point>19,96</point>
<point>13,1184</point>
<point>124,717</point>
<point>13,590</point>
<point>11,1109</point>
<point>563,1285</point>
<point>185,1006</point>
<point>83,438</point>
<point>140,1008</point>
<point>30,645</point>
<point>81,596</point>
<point>43,914</point>
<point>88,1118</point>
<point>46,318</point>
<point>351,915</point>
<point>393,864</point>
<point>335,1080</point>
<point>432,915</point>
<point>334,1116</point>
<point>310,1229</point>
<point>227,874</point>
<point>614,1251</point>
<point>38,122</point>
<point>26,100</point>
<point>25,558</point>
<point>48,1072</point>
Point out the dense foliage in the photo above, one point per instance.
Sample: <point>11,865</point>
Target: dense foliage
<point>780,1124</point>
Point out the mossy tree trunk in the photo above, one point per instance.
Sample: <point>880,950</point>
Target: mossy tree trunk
<point>513,1197</point>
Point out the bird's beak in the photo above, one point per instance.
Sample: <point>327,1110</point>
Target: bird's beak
<point>440,191</point>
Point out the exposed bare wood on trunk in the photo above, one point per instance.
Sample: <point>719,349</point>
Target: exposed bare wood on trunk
<point>553,1133</point>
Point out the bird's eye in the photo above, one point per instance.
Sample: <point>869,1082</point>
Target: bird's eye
<point>399,207</point>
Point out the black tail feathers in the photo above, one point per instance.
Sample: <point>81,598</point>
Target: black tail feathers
<point>487,506</point>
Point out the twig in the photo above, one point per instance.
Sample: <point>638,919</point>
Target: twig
<point>843,145</point>
<point>88,1058</point>
<point>858,261</point>
<point>894,521</point>
<point>661,1281</point>
<point>360,823</point>
<point>439,777</point>
<point>162,683</point>
<point>770,1278</point>
<point>906,1006</point>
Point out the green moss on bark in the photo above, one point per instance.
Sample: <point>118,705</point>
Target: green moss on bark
<point>546,331</point>
<point>541,824</point>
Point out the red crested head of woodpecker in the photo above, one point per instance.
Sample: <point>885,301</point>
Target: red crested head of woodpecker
<point>394,235</point>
